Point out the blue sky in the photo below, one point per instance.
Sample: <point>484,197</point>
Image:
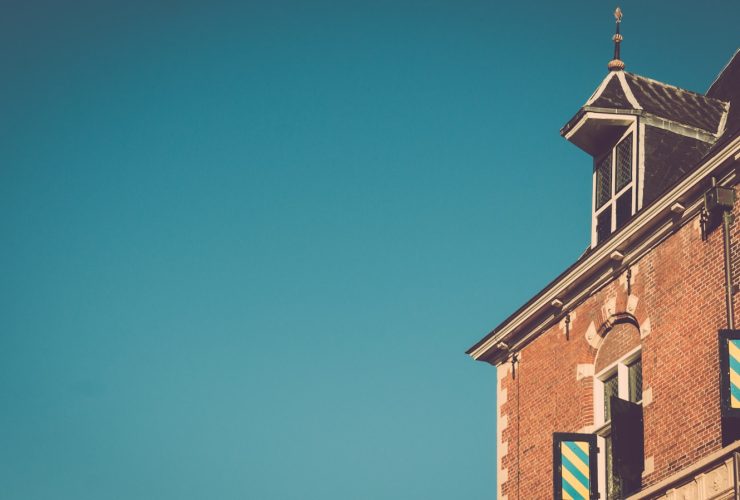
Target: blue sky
<point>245,245</point>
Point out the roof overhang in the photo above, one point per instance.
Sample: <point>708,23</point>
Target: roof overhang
<point>523,324</point>
<point>592,129</point>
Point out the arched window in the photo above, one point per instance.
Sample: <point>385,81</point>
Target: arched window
<point>618,381</point>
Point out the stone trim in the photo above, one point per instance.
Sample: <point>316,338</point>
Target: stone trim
<point>685,474</point>
<point>584,370</point>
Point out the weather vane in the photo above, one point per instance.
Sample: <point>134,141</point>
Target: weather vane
<point>616,64</point>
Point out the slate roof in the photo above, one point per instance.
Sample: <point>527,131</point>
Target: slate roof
<point>657,98</point>
<point>613,96</point>
<point>727,88</point>
<point>677,104</point>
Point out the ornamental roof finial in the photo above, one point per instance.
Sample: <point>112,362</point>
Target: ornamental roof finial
<point>616,64</point>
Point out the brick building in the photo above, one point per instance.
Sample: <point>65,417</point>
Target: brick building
<point>616,380</point>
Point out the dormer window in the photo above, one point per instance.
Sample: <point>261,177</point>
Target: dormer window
<point>615,200</point>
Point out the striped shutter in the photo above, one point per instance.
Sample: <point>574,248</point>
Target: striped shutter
<point>729,364</point>
<point>574,466</point>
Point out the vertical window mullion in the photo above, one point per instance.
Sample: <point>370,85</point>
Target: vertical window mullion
<point>623,381</point>
<point>634,170</point>
<point>594,219</point>
<point>614,189</point>
<point>599,416</point>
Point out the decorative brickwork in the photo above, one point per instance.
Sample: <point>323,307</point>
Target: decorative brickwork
<point>619,340</point>
<point>652,285</point>
<point>680,290</point>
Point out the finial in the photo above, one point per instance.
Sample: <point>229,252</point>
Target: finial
<point>616,64</point>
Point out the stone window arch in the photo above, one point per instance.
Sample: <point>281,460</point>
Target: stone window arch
<point>621,337</point>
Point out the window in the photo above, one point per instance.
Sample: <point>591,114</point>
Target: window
<point>611,388</point>
<point>622,380</point>
<point>614,187</point>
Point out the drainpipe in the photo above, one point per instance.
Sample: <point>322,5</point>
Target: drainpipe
<point>729,288</point>
<point>720,199</point>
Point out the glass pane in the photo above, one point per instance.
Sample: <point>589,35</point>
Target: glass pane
<point>624,162</point>
<point>613,483</point>
<point>604,181</point>
<point>604,225</point>
<point>624,208</point>
<point>611,388</point>
<point>635,380</point>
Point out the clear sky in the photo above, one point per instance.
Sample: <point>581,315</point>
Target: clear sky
<point>246,244</point>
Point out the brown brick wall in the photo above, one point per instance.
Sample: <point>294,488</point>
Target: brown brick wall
<point>679,285</point>
<point>618,341</point>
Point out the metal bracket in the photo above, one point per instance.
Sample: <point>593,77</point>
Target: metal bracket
<point>704,222</point>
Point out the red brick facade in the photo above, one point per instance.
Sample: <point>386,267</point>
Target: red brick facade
<point>678,303</point>
<point>611,374</point>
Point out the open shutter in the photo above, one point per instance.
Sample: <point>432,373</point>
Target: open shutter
<point>729,367</point>
<point>574,466</point>
<point>628,443</point>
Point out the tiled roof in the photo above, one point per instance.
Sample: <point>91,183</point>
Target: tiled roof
<point>613,97</point>
<point>676,104</point>
<point>627,91</point>
<point>727,88</point>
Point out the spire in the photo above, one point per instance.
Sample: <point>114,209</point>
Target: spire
<point>616,64</point>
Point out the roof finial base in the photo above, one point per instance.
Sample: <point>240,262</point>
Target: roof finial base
<point>615,65</point>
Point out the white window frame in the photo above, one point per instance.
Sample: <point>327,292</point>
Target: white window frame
<point>602,426</point>
<point>612,203</point>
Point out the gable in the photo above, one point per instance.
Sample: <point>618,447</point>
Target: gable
<point>612,96</point>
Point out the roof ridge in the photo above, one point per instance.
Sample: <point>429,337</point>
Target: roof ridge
<point>680,89</point>
<point>628,93</point>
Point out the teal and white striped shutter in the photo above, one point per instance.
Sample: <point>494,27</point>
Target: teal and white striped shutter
<point>574,466</point>
<point>729,367</point>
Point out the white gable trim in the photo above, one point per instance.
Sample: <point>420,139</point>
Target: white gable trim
<point>597,93</point>
<point>622,82</point>
<point>627,90</point>
<point>678,128</point>
<point>640,163</point>
<point>723,120</point>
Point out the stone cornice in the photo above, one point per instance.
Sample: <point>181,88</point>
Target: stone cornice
<point>585,274</point>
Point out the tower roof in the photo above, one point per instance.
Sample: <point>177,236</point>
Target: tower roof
<point>629,94</point>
